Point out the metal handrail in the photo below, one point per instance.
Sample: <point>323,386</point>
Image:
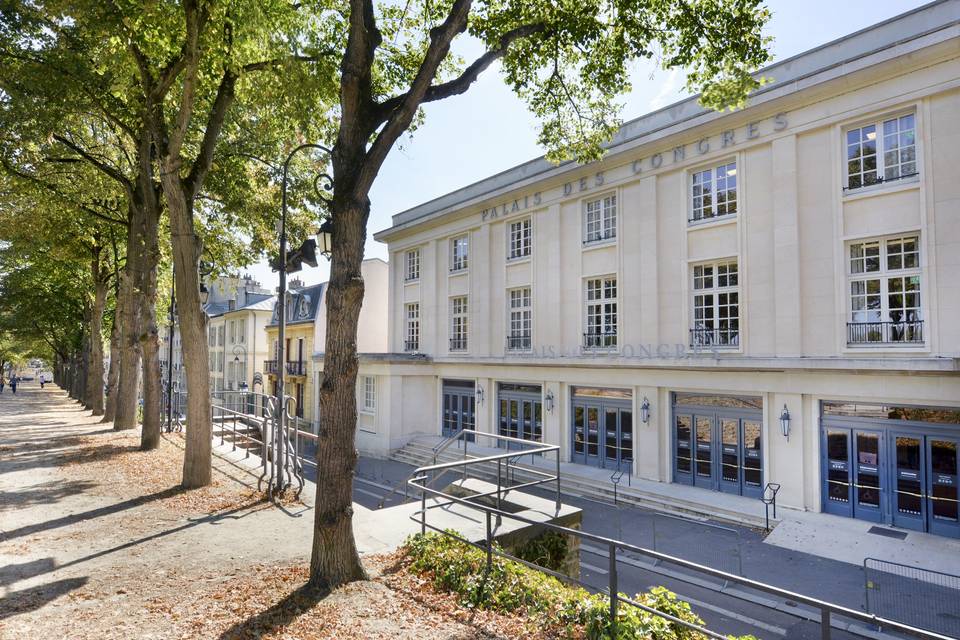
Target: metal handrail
<point>827,609</point>
<point>462,434</point>
<point>439,448</point>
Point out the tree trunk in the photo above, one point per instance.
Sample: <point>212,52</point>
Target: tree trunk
<point>113,375</point>
<point>94,384</point>
<point>334,559</point>
<point>187,249</point>
<point>129,379</point>
<point>94,381</point>
<point>149,334</point>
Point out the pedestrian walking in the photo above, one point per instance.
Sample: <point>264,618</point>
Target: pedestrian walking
<point>2,383</point>
<point>42,381</point>
<point>13,384</point>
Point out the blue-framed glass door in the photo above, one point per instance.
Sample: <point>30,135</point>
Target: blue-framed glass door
<point>683,448</point>
<point>868,476</point>
<point>942,489</point>
<point>458,407</point>
<point>909,496</point>
<point>704,466</point>
<point>520,415</point>
<point>730,456</point>
<point>837,474</point>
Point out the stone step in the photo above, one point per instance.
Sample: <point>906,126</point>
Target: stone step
<point>420,454</point>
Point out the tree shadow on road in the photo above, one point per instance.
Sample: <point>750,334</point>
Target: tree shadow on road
<point>33,598</point>
<point>45,493</point>
<point>278,616</point>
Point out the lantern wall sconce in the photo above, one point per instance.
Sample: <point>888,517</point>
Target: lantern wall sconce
<point>785,422</point>
<point>645,411</point>
<point>479,394</point>
<point>548,400</point>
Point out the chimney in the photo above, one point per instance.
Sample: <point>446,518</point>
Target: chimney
<point>296,283</point>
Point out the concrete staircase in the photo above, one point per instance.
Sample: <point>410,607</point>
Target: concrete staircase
<point>654,496</point>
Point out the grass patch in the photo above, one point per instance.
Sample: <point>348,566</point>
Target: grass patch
<point>511,587</point>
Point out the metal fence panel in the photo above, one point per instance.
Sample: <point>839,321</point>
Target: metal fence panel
<point>919,597</point>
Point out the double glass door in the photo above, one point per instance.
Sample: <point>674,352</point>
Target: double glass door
<point>602,434</point>
<point>855,482</point>
<point>908,479</point>
<point>458,408</point>
<point>925,494</point>
<point>719,451</point>
<point>521,414</point>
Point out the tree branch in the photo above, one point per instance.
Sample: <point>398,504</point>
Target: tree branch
<point>461,83</point>
<point>112,172</point>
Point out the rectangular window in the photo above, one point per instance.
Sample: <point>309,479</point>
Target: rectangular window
<point>412,262</point>
<point>884,292</point>
<point>600,219</point>
<point>458,253</point>
<point>212,337</point>
<point>220,331</point>
<point>882,151</point>
<point>369,394</point>
<point>716,305</point>
<point>242,331</point>
<point>521,239</point>
<point>233,332</point>
<point>601,313</point>
<point>521,320</point>
<point>412,342</point>
<point>714,192</point>
<point>458,323</point>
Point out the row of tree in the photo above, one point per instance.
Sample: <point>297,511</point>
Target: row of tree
<point>136,135</point>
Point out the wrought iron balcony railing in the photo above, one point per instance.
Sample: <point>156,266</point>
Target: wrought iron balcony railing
<point>904,332</point>
<point>411,345</point>
<point>296,368</point>
<point>725,337</point>
<point>458,344</point>
<point>600,340</point>
<point>519,343</point>
<point>270,366</point>
<point>600,236</point>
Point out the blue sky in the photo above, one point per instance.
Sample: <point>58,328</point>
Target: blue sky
<point>488,130</point>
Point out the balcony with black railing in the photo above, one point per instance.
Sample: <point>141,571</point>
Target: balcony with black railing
<point>519,343</point>
<point>270,366</point>
<point>593,237</point>
<point>905,332</point>
<point>296,368</point>
<point>458,344</point>
<point>594,340</point>
<point>411,345</point>
<point>715,337</point>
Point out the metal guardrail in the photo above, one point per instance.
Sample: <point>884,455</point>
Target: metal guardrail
<point>466,436</point>
<point>911,595</point>
<point>614,547</point>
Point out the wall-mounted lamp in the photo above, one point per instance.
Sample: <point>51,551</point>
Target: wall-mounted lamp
<point>785,422</point>
<point>479,394</point>
<point>645,411</point>
<point>548,401</point>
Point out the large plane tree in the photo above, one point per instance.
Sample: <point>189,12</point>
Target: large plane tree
<point>566,59</point>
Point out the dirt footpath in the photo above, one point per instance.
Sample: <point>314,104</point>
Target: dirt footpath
<point>98,541</point>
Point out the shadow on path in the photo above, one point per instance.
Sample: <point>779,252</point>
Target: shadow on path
<point>34,598</point>
<point>278,616</point>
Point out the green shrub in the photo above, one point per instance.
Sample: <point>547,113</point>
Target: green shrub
<point>512,587</point>
<point>549,550</point>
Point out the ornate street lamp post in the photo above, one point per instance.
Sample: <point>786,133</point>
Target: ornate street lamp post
<point>308,247</point>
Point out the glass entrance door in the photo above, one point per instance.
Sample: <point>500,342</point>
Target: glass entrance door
<point>703,452</point>
<point>908,493</point>
<point>602,435</point>
<point>942,454</point>
<point>869,482</point>
<point>718,452</point>
<point>837,478</point>
<point>521,414</point>
<point>458,407</point>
